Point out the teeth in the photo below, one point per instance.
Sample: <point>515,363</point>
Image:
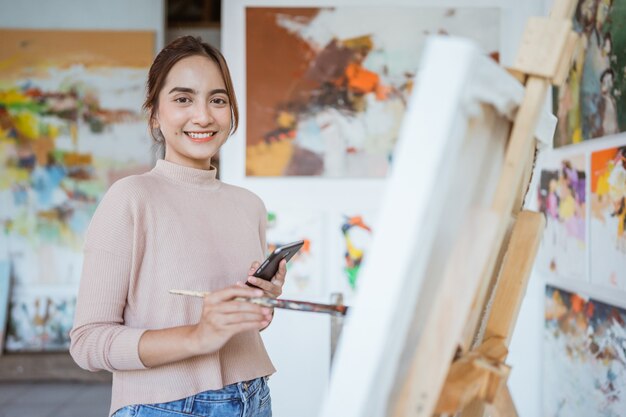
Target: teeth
<point>200,135</point>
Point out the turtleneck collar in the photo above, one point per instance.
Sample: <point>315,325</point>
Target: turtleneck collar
<point>194,177</point>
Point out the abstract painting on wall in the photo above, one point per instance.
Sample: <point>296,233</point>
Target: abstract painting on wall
<point>592,102</point>
<point>326,88</point>
<point>5,286</point>
<point>353,234</point>
<point>562,199</point>
<point>584,358</point>
<point>70,125</point>
<point>608,218</point>
<point>41,318</point>
<point>305,270</point>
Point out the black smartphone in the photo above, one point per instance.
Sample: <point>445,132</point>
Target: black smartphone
<point>269,267</point>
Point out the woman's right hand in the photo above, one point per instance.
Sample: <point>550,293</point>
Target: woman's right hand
<point>223,317</point>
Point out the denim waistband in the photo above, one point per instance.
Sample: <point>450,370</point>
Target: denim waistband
<point>238,390</point>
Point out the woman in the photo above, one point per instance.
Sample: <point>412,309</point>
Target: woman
<point>177,226</point>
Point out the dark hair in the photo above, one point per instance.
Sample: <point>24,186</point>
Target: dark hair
<point>176,50</point>
<point>606,72</point>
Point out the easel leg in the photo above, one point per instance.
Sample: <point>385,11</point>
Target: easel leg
<point>509,294</point>
<point>503,406</point>
<point>336,325</point>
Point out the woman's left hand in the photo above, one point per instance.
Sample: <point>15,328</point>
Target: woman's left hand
<point>274,287</point>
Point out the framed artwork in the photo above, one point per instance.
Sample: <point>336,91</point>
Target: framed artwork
<point>5,288</point>
<point>41,318</point>
<point>584,358</point>
<point>352,234</point>
<point>325,88</point>
<point>592,102</point>
<point>561,197</point>
<point>608,218</point>
<point>305,270</point>
<point>71,124</point>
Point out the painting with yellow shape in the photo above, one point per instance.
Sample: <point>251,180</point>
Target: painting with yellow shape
<point>352,233</point>
<point>592,102</point>
<point>70,125</point>
<point>344,76</point>
<point>608,217</point>
<point>562,199</point>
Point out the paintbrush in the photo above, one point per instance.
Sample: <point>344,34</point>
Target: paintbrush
<point>332,309</point>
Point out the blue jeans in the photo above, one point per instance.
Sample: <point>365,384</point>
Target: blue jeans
<point>243,399</point>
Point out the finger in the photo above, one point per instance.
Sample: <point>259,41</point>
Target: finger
<point>229,293</point>
<point>281,273</point>
<point>259,282</point>
<point>282,268</point>
<point>273,288</point>
<point>255,265</point>
<point>242,318</point>
<point>243,327</point>
<point>233,307</point>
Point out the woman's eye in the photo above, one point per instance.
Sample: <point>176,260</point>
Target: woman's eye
<point>219,100</point>
<point>182,100</point>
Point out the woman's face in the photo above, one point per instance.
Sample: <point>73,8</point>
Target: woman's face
<point>194,112</point>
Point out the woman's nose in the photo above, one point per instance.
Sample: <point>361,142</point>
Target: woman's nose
<point>202,115</point>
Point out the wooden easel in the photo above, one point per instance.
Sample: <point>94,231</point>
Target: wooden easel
<point>476,379</point>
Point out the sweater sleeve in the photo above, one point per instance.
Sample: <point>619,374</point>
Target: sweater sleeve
<point>99,338</point>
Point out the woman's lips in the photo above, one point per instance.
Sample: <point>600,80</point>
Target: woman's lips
<point>200,136</point>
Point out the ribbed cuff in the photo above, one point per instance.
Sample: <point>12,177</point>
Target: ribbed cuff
<point>124,351</point>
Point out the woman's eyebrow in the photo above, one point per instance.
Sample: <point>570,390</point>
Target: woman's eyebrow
<point>183,90</point>
<point>192,91</point>
<point>218,91</point>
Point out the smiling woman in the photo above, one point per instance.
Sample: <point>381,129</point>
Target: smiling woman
<point>173,355</point>
<point>193,112</point>
<point>192,86</point>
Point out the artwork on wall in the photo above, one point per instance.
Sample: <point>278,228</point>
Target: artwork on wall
<point>584,353</point>
<point>352,234</point>
<point>305,269</point>
<point>608,217</point>
<point>562,199</point>
<point>70,125</point>
<point>41,319</point>
<point>334,104</point>
<point>592,102</point>
<point>5,287</point>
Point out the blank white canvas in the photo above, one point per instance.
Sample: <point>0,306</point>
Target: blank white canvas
<point>458,94</point>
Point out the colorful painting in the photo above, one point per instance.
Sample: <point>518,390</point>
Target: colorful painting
<point>608,218</point>
<point>327,87</point>
<point>305,270</point>
<point>70,125</point>
<point>584,357</point>
<point>41,319</point>
<point>592,103</point>
<point>561,198</point>
<point>5,287</point>
<point>353,234</point>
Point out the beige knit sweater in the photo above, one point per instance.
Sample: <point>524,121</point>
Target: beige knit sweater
<point>173,227</point>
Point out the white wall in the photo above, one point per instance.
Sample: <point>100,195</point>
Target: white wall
<point>85,14</point>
